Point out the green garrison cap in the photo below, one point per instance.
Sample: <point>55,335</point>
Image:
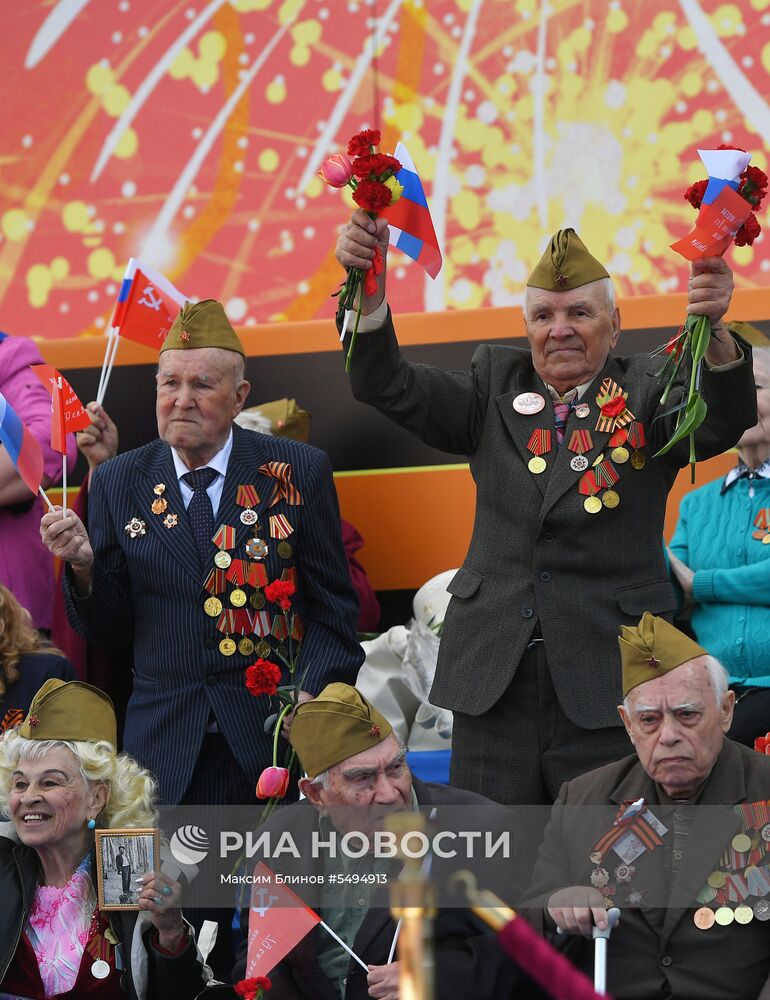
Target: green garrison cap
<point>70,710</point>
<point>652,648</point>
<point>566,264</point>
<point>750,333</point>
<point>202,324</point>
<point>337,724</point>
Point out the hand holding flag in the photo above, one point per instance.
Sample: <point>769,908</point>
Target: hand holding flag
<point>67,414</point>
<point>23,449</point>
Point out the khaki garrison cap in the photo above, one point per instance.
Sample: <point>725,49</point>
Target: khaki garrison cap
<point>566,264</point>
<point>202,324</point>
<point>70,710</point>
<point>652,648</point>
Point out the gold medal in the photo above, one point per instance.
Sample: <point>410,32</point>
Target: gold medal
<point>536,465</point>
<point>284,549</point>
<point>610,499</point>
<point>159,490</point>
<point>703,918</point>
<point>213,607</point>
<point>599,458</point>
<point>257,600</point>
<point>159,505</point>
<point>619,455</point>
<point>592,504</point>
<point>724,916</point>
<point>741,843</point>
<point>238,598</point>
<point>637,460</point>
<point>245,646</point>
<point>743,914</point>
<point>222,559</point>
<point>766,540</point>
<point>263,648</point>
<point>227,647</point>
<point>717,880</point>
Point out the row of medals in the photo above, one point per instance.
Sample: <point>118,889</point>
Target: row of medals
<point>705,918</point>
<point>610,498</point>
<point>238,597</point>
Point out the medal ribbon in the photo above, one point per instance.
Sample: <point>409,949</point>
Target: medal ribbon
<point>618,438</point>
<point>246,495</point>
<point>243,621</point>
<point>98,947</point>
<point>279,526</point>
<point>607,424</point>
<point>587,484</point>
<point>280,627</point>
<point>540,441</point>
<point>636,434</point>
<point>605,474</point>
<point>580,441</point>
<point>290,573</point>
<point>224,537</point>
<point>283,488</point>
<point>237,572</point>
<point>226,621</point>
<point>257,575</point>
<point>298,629</point>
<point>215,581</point>
<point>634,822</point>
<point>761,520</point>
<point>261,623</point>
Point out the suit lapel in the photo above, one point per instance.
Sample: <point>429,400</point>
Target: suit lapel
<point>520,425</point>
<point>157,467</point>
<point>248,454</point>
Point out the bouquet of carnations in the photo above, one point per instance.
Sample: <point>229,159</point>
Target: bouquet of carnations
<point>252,989</point>
<point>727,200</point>
<point>371,176</point>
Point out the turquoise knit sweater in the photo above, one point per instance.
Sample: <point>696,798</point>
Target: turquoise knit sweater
<point>731,618</point>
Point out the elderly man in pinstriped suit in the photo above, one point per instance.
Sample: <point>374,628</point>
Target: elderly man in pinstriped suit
<point>183,534</point>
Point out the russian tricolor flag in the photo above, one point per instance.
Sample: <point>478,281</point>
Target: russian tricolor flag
<point>22,447</point>
<point>411,227</point>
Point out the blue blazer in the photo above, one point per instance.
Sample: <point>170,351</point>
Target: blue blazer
<point>148,591</point>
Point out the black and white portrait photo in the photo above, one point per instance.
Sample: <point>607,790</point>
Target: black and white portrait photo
<point>123,857</point>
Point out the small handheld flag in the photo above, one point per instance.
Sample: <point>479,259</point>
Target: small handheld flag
<point>22,446</point>
<point>67,412</point>
<point>411,227</point>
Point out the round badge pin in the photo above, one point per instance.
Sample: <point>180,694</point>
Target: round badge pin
<point>579,463</point>
<point>743,914</point>
<point>528,403</point>
<point>582,410</point>
<point>741,842</point>
<point>724,916</point>
<point>762,909</point>
<point>100,969</point>
<point>704,918</point>
<point>248,516</point>
<point>222,559</point>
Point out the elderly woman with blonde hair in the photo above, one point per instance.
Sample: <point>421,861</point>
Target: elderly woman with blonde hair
<point>60,778</point>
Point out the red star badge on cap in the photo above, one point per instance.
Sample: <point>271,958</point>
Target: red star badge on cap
<point>562,279</point>
<point>34,721</point>
<point>654,662</point>
<point>184,336</point>
<point>374,731</point>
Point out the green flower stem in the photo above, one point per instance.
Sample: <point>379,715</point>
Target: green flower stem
<point>284,712</point>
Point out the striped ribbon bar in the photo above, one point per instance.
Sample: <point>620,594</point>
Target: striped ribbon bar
<point>636,434</point>
<point>290,573</point>
<point>587,484</point>
<point>283,488</point>
<point>761,520</point>
<point>262,623</point>
<point>224,537</point>
<point>580,442</point>
<point>605,424</point>
<point>226,621</point>
<point>639,826</point>
<point>736,888</point>
<point>605,474</point>
<point>246,495</point>
<point>238,571</point>
<point>215,581</point>
<point>758,880</point>
<point>279,526</point>
<point>280,627</point>
<point>297,629</point>
<point>257,575</point>
<point>619,437</point>
<point>540,441</point>
<point>243,621</point>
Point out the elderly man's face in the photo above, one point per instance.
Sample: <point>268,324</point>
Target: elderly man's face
<point>51,803</point>
<point>199,394</point>
<point>570,333</point>
<point>759,434</point>
<point>365,788</point>
<point>677,726</point>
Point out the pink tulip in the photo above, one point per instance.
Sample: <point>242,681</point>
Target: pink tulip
<point>273,783</point>
<point>337,170</point>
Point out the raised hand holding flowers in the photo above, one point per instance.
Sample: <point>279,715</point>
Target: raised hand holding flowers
<point>375,187</point>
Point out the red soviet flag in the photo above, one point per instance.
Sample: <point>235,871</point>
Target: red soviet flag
<point>278,920</point>
<point>67,412</point>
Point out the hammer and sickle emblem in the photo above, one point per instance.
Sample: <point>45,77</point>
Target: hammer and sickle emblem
<point>149,298</point>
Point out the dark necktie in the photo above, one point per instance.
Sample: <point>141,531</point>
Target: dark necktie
<point>200,511</point>
<point>560,414</point>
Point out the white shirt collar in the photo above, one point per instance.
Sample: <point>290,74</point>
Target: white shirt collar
<point>218,463</point>
<point>741,470</point>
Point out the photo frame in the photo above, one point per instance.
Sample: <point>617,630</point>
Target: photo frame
<point>123,856</point>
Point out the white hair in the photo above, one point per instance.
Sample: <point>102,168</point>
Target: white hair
<point>605,285</point>
<point>717,674</point>
<point>324,778</point>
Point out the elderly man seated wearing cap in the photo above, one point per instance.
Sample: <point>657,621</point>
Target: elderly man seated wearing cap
<point>682,844</point>
<point>356,776</point>
<point>60,778</point>
<point>570,502</point>
<point>183,536</point>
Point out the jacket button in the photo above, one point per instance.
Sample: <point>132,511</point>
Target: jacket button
<point>545,576</point>
<point>666,960</point>
<point>210,642</point>
<point>526,612</point>
<point>549,537</point>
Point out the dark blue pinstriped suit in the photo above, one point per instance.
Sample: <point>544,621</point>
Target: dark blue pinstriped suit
<point>148,590</point>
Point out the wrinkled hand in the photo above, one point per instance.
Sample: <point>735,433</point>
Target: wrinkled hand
<point>710,288</point>
<point>99,441</point>
<point>161,896</point>
<point>684,575</point>
<point>383,981</point>
<point>577,908</point>
<point>287,719</point>
<point>65,537</point>
<point>355,248</point>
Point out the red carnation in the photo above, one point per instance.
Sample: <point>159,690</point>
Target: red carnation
<point>377,164</point>
<point>372,196</point>
<point>262,677</point>
<point>280,592</point>
<point>761,743</point>
<point>694,193</point>
<point>252,989</point>
<point>748,232</point>
<point>362,142</point>
<point>614,408</point>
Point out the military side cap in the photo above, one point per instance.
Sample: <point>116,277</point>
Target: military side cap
<point>750,333</point>
<point>284,417</point>
<point>337,724</point>
<point>566,264</point>
<point>653,648</point>
<point>70,710</point>
<point>202,324</point>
